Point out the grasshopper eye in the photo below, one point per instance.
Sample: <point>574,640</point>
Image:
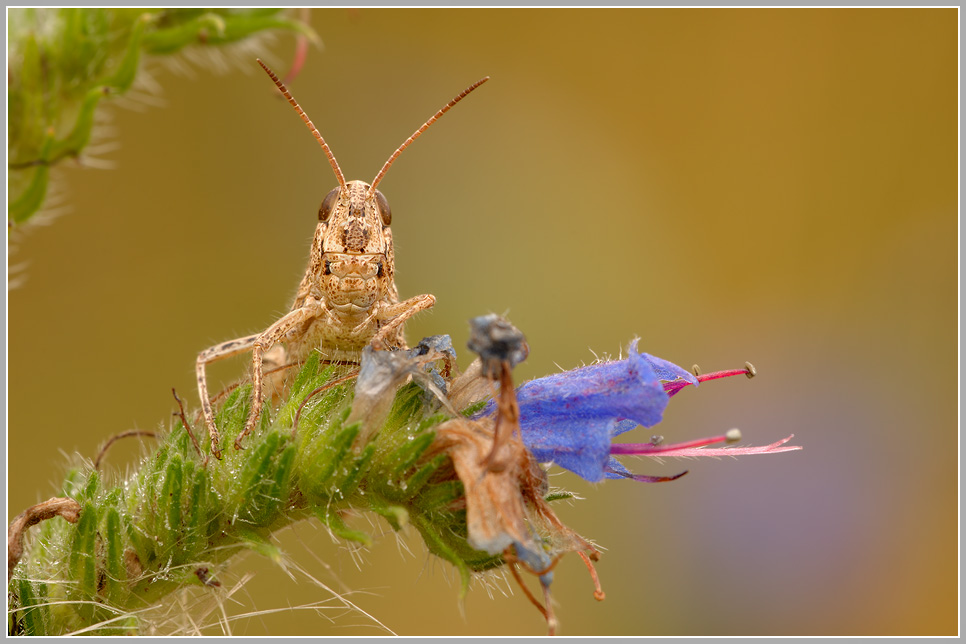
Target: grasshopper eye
<point>384,208</point>
<point>326,208</point>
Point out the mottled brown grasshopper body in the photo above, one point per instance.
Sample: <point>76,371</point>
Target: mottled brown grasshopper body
<point>347,298</point>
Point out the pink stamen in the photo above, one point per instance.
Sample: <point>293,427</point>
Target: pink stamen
<point>695,448</point>
<point>775,448</point>
<point>671,387</point>
<point>723,374</point>
<point>651,448</point>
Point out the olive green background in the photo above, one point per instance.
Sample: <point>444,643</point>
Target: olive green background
<point>778,186</point>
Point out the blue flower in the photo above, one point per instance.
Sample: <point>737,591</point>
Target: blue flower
<point>571,418</point>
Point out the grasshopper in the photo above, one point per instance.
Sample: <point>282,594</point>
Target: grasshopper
<point>347,298</point>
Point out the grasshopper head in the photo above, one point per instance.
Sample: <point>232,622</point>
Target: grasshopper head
<point>354,221</point>
<point>355,248</point>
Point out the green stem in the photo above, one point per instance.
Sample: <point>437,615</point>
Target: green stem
<point>138,541</point>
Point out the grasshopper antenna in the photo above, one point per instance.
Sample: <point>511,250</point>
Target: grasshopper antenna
<point>315,131</point>
<point>425,126</point>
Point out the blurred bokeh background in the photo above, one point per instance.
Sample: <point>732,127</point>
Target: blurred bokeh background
<point>778,186</point>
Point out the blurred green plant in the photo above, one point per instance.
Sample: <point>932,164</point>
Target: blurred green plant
<point>179,517</point>
<point>62,62</point>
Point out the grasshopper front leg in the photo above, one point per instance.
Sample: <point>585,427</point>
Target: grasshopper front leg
<point>213,354</point>
<point>258,344</point>
<point>265,341</point>
<point>389,334</point>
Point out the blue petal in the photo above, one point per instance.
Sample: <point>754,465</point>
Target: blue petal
<point>569,418</point>
<point>667,371</point>
<point>623,425</point>
<point>583,447</point>
<point>622,389</point>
